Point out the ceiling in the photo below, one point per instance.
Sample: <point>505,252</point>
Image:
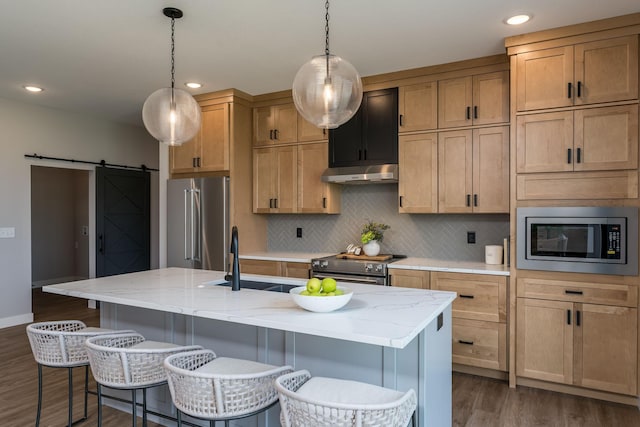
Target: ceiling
<point>104,57</point>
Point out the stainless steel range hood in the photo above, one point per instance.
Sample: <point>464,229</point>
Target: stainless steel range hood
<point>365,174</point>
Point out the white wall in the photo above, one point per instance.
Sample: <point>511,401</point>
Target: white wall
<point>27,129</point>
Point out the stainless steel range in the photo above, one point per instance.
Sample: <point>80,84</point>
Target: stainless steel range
<point>373,272</point>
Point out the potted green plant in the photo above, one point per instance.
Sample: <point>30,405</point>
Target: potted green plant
<point>371,236</point>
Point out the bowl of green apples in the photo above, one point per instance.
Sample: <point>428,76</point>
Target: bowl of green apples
<point>321,296</point>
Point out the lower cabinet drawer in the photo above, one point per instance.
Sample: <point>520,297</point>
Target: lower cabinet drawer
<point>480,343</point>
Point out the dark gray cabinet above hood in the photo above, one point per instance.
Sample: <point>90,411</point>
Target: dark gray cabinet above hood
<point>365,149</point>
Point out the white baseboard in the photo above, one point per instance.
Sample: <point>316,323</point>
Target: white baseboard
<point>21,319</point>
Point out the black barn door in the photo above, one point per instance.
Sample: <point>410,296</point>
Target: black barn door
<point>122,221</point>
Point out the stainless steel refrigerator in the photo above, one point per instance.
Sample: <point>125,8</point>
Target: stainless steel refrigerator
<point>198,223</point>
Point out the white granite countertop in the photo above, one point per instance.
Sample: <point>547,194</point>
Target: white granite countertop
<point>284,256</point>
<point>450,266</point>
<point>378,315</point>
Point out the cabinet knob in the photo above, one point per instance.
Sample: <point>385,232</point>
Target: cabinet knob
<point>579,89</point>
<point>578,155</point>
<point>569,90</point>
<point>569,155</point>
<point>468,199</point>
<point>468,113</point>
<point>475,111</point>
<point>270,133</point>
<point>275,134</point>
<point>401,121</point>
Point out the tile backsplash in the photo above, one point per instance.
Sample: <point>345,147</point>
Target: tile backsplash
<point>439,236</point>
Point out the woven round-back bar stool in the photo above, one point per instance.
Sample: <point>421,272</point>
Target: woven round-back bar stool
<point>129,362</point>
<point>319,401</point>
<point>60,344</point>
<point>220,388</point>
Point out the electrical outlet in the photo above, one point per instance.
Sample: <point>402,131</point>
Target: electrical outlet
<point>7,232</point>
<point>299,232</point>
<point>471,237</point>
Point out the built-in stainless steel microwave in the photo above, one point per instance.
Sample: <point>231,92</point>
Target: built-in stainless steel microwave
<point>601,240</point>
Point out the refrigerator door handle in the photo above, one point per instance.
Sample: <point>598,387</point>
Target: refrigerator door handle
<point>196,225</point>
<point>186,223</point>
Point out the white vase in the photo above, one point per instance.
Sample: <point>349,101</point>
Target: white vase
<point>372,248</point>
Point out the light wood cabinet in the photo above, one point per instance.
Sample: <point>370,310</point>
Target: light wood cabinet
<point>588,345</point>
<point>300,270</point>
<point>309,132</point>
<point>595,139</point>
<point>208,151</point>
<point>474,100</point>
<point>418,107</point>
<point>275,179</point>
<point>479,318</point>
<point>418,279</point>
<point>585,73</point>
<point>314,195</point>
<point>275,124</point>
<point>570,332</point>
<point>473,170</point>
<point>418,173</point>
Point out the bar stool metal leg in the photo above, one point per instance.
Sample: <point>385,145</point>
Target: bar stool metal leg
<point>86,389</point>
<point>99,389</point>
<point>133,407</point>
<point>39,395</point>
<point>144,407</point>
<point>70,370</point>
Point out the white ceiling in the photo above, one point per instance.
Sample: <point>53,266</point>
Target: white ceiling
<point>104,57</point>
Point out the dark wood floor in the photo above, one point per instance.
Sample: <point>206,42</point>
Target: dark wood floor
<point>477,401</point>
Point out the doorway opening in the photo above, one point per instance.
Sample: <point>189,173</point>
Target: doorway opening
<point>59,225</point>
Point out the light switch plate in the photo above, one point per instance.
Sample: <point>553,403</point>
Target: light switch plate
<point>7,232</point>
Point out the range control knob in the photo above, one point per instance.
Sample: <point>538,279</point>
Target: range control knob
<point>324,264</point>
<point>379,268</point>
<point>368,267</point>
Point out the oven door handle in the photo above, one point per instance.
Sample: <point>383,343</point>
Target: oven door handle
<point>351,279</point>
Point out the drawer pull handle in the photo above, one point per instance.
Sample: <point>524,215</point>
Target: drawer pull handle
<point>465,342</point>
<point>466,296</point>
<point>570,292</point>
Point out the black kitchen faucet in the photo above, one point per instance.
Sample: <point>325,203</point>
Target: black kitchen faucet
<point>235,269</point>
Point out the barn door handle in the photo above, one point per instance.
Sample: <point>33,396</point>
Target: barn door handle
<point>101,244</point>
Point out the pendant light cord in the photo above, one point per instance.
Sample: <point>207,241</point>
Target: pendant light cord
<point>173,49</point>
<point>326,35</point>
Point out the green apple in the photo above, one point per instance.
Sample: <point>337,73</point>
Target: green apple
<point>329,284</point>
<point>339,292</point>
<point>304,292</point>
<point>314,285</point>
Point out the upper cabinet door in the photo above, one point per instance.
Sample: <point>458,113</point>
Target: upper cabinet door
<point>285,123</point>
<point>214,139</point>
<point>262,126</point>
<point>606,138</point>
<point>491,98</point>
<point>544,142</point>
<point>380,126</point>
<point>310,132</point>
<point>491,170</point>
<point>418,173</point>
<point>183,157</point>
<point>607,70</point>
<point>544,78</point>
<point>418,107</point>
<point>455,102</point>
<point>455,171</point>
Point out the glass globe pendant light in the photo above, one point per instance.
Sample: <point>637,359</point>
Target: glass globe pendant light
<point>171,115</point>
<point>327,90</point>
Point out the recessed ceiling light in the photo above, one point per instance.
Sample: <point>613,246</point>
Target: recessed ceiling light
<point>517,19</point>
<point>32,88</point>
<point>193,85</point>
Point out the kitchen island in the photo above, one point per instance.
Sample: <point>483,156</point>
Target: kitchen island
<point>393,337</point>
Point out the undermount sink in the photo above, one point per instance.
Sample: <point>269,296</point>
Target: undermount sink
<point>263,286</point>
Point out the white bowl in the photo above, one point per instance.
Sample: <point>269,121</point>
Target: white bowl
<point>321,304</point>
